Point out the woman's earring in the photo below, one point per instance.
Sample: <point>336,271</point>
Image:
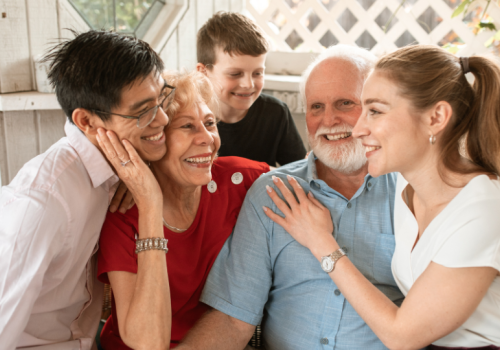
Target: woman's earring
<point>432,139</point>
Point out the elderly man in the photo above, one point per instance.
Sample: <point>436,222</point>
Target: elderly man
<point>263,275</point>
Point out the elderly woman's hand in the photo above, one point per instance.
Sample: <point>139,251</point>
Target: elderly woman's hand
<point>307,220</point>
<point>130,168</point>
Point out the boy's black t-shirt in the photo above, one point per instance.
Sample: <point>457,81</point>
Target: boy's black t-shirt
<point>266,134</point>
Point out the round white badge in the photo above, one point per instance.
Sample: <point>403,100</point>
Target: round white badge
<point>237,178</point>
<point>212,186</point>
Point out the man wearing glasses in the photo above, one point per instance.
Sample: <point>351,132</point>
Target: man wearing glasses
<point>52,212</point>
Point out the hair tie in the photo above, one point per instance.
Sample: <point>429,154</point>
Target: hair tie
<point>464,62</point>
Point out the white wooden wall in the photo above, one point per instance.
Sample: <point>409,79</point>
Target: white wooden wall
<point>180,50</point>
<point>24,135</point>
<point>30,27</point>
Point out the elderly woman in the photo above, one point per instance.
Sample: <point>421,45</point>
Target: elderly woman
<point>200,198</point>
<point>419,111</point>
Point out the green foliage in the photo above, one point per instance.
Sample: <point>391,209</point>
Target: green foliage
<point>452,48</point>
<point>487,25</point>
<point>483,24</point>
<point>122,16</point>
<point>491,40</point>
<point>462,8</point>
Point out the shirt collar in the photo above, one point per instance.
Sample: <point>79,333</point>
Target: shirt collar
<point>312,176</point>
<point>312,172</point>
<point>97,167</point>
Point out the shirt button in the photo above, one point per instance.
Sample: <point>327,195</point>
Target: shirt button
<point>369,184</point>
<point>337,292</point>
<point>237,178</point>
<point>349,205</point>
<point>324,341</point>
<point>212,186</point>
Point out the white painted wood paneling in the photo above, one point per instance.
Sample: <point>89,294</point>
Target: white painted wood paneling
<point>43,30</point>
<point>15,68</point>
<point>3,154</point>
<point>187,38</point>
<point>170,54</point>
<point>31,100</point>
<point>204,10</point>
<point>21,136</point>
<point>50,125</point>
<point>221,5</point>
<point>180,50</point>
<point>24,135</point>
<point>236,5</point>
<point>69,18</point>
<point>165,25</point>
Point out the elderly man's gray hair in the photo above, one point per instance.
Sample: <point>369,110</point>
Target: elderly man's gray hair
<point>363,59</point>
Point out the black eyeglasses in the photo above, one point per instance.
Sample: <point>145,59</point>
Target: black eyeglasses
<point>145,118</point>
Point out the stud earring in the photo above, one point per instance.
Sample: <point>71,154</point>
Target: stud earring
<point>432,139</point>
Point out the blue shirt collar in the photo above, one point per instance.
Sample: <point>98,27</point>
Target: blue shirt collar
<point>312,178</point>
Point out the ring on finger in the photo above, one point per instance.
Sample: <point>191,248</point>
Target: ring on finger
<point>125,163</point>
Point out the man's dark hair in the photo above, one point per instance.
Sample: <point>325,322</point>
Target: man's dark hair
<point>91,70</point>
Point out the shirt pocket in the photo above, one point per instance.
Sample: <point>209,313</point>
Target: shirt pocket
<point>382,257</point>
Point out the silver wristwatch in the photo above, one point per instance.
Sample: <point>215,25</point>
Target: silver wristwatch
<point>328,262</point>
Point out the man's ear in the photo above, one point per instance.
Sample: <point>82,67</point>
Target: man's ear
<point>439,117</point>
<point>86,121</point>
<point>200,67</point>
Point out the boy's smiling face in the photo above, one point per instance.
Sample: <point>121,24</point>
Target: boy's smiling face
<point>238,81</point>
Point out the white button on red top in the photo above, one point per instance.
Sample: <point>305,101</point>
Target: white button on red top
<point>212,186</point>
<point>237,178</point>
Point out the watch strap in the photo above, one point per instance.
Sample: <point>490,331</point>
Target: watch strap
<point>333,257</point>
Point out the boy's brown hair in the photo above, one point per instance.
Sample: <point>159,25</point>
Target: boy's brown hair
<point>233,33</point>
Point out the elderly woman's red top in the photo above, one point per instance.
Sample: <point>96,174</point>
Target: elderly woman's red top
<point>191,253</point>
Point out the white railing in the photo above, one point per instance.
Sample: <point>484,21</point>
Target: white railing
<point>311,25</point>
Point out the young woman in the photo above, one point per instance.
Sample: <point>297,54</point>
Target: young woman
<point>423,119</point>
<point>190,198</point>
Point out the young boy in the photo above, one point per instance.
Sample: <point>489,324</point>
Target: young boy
<point>232,52</point>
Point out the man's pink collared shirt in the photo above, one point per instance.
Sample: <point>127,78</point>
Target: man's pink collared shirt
<point>50,220</point>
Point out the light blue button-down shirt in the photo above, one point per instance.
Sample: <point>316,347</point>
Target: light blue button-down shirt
<point>263,275</point>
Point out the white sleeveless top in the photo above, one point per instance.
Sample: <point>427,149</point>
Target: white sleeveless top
<point>465,234</point>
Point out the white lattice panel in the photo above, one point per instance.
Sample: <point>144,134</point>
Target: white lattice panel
<point>362,24</point>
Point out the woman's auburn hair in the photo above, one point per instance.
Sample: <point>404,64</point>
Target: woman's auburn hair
<point>191,88</point>
<point>426,75</point>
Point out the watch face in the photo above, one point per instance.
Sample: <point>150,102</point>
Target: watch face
<point>327,264</point>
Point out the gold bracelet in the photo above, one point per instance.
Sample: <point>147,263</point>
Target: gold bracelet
<point>151,243</point>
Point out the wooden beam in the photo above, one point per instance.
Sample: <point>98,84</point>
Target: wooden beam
<point>25,101</point>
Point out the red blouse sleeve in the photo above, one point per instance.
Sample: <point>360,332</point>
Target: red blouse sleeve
<point>117,244</point>
<point>253,171</point>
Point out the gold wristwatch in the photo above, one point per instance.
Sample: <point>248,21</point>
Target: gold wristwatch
<point>328,262</point>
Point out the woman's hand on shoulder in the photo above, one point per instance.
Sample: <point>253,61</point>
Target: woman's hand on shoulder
<point>130,168</point>
<point>306,220</point>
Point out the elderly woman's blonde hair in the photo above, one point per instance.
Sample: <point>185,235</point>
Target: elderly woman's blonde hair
<point>191,89</point>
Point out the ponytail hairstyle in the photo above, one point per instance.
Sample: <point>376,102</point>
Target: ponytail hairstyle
<point>427,74</point>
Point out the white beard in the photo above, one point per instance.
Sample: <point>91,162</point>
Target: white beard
<point>345,158</point>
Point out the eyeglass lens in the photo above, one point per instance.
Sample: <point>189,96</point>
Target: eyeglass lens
<point>150,115</point>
